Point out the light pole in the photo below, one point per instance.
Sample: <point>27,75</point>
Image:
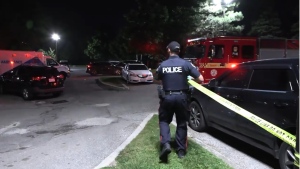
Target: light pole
<point>56,38</point>
<point>223,4</point>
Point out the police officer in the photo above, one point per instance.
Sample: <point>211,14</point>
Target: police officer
<point>173,73</point>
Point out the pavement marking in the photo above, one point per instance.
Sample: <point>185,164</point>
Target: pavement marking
<point>16,131</point>
<point>95,121</point>
<point>102,105</point>
<point>15,124</point>
<point>111,158</point>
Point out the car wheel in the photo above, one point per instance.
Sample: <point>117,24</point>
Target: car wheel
<point>27,94</point>
<point>286,156</point>
<point>94,73</point>
<point>196,120</point>
<point>118,72</point>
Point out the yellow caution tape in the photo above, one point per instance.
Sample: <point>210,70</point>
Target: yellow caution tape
<point>276,131</point>
<point>296,162</point>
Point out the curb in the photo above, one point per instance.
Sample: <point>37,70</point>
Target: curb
<point>110,85</point>
<point>111,158</point>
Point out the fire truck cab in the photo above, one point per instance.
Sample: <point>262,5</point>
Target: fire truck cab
<point>215,55</point>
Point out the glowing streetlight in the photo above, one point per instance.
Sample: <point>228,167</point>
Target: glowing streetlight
<point>56,38</point>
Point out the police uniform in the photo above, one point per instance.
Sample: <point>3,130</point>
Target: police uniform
<point>173,73</point>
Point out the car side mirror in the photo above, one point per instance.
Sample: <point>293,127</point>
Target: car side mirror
<point>149,68</point>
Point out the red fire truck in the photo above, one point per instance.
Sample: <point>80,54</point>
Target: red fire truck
<point>214,55</point>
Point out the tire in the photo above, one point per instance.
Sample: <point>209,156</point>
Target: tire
<point>94,72</point>
<point>56,94</point>
<point>196,120</point>
<point>127,80</point>
<point>286,156</point>
<point>118,72</point>
<point>27,94</point>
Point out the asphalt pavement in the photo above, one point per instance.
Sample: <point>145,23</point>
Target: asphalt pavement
<point>89,125</point>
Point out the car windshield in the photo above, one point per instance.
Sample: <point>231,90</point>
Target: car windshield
<point>137,67</point>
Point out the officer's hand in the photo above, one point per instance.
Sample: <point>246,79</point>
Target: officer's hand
<point>190,78</point>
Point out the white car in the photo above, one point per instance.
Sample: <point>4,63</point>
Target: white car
<point>136,73</point>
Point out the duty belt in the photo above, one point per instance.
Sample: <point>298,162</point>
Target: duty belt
<point>175,92</point>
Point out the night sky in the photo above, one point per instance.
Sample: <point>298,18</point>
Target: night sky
<point>77,21</point>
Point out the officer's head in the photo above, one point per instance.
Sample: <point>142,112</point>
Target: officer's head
<point>173,48</point>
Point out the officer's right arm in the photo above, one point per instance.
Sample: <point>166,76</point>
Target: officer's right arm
<point>195,73</point>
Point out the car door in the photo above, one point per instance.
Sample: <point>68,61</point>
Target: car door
<point>7,80</point>
<point>229,87</point>
<point>21,78</point>
<point>272,95</point>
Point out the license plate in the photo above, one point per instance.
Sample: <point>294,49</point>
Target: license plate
<point>142,80</point>
<point>51,80</point>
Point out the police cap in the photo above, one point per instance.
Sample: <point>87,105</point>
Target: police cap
<point>174,46</point>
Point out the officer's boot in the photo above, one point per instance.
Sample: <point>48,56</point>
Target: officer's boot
<point>165,151</point>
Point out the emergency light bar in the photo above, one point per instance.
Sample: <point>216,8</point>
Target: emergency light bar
<point>196,39</point>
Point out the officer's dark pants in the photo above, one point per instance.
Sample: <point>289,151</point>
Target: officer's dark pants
<point>174,103</point>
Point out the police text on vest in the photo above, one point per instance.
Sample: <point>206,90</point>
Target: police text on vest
<point>172,69</point>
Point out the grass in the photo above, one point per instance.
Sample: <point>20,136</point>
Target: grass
<point>143,153</point>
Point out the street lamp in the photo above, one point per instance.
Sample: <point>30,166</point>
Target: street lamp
<point>56,38</point>
<point>223,4</point>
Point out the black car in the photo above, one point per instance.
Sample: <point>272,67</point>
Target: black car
<point>267,88</point>
<point>102,67</point>
<point>30,81</point>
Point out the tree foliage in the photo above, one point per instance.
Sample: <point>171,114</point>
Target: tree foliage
<point>268,25</point>
<point>51,52</point>
<point>218,19</point>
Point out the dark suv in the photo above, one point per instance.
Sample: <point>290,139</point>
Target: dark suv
<point>267,88</point>
<point>30,81</point>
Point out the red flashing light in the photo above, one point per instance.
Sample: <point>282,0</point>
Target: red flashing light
<point>233,65</point>
<point>11,62</point>
<point>14,55</point>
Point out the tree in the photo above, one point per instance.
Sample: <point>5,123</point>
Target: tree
<point>98,47</point>
<point>268,25</point>
<point>50,52</point>
<point>218,19</point>
<point>155,23</point>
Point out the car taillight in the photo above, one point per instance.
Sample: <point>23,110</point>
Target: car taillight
<point>60,76</point>
<point>38,78</point>
<point>88,66</point>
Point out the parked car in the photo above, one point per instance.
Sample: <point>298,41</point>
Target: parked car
<point>267,88</point>
<point>136,73</point>
<point>65,62</point>
<point>102,67</point>
<point>30,81</point>
<point>114,62</point>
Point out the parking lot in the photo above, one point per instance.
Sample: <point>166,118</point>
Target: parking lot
<point>87,123</point>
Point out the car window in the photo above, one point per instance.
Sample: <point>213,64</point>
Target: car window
<point>271,79</point>
<point>235,79</point>
<point>51,62</point>
<point>137,67</point>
